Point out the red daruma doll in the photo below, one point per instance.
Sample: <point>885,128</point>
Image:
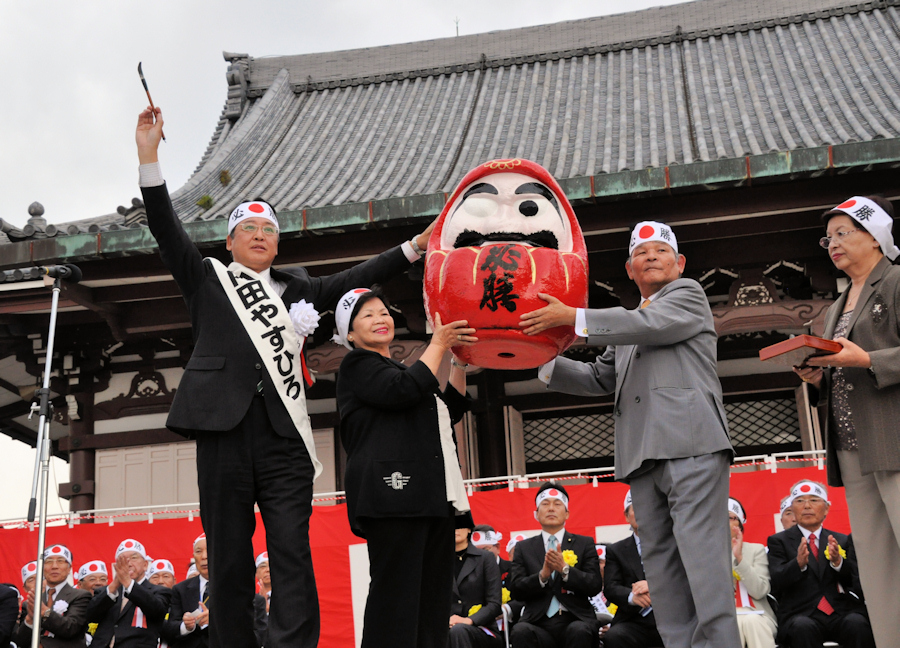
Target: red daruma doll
<point>506,234</point>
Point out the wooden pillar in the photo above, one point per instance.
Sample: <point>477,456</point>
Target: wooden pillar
<point>491,425</point>
<point>80,488</point>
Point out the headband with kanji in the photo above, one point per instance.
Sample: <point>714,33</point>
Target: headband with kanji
<point>551,493</point>
<point>601,551</point>
<point>262,558</point>
<point>58,551</point>
<point>192,571</point>
<point>91,568</point>
<point>159,566</point>
<point>29,570</point>
<point>486,538</point>
<point>200,537</point>
<point>342,313</point>
<point>627,501</point>
<point>876,221</point>
<point>785,504</point>
<point>131,545</point>
<point>252,209</point>
<point>735,507</point>
<point>652,231</point>
<point>809,488</point>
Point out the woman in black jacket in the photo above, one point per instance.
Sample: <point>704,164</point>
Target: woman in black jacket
<point>404,487</point>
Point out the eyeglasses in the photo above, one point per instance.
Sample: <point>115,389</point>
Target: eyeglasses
<point>250,228</point>
<point>825,241</point>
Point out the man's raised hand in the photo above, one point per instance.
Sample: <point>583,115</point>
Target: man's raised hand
<point>148,134</point>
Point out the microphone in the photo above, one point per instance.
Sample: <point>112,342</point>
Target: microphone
<point>66,272</point>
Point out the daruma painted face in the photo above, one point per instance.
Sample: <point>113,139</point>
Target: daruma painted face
<point>507,233</point>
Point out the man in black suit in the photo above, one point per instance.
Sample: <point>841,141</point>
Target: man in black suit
<point>816,584</point>
<point>476,583</point>
<point>625,584</point>
<point>242,398</point>
<point>187,623</point>
<point>131,609</point>
<point>63,607</point>
<point>9,611</point>
<point>555,574</point>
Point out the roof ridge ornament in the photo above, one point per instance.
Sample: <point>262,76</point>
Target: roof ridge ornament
<point>236,76</point>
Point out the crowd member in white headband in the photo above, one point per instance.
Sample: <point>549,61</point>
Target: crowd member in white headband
<point>92,575</point>
<point>555,574</point>
<point>787,514</point>
<point>816,578</point>
<point>858,392</point>
<point>750,569</point>
<point>667,339</point>
<point>60,609</point>
<point>161,572</point>
<point>403,476</point>
<point>250,323</point>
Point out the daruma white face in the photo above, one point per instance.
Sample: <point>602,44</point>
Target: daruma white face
<point>509,208</point>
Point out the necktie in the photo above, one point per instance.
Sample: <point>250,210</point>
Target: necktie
<point>553,608</point>
<point>824,606</point>
<point>50,594</point>
<point>645,303</point>
<point>204,596</point>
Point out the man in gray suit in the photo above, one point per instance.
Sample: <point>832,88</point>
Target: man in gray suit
<point>672,442</point>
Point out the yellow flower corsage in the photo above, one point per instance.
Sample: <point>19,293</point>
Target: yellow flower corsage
<point>92,627</point>
<point>570,557</point>
<point>840,551</point>
<point>507,597</point>
<point>611,608</point>
<point>737,576</point>
<point>474,609</point>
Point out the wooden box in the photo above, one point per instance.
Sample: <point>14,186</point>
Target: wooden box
<point>797,350</point>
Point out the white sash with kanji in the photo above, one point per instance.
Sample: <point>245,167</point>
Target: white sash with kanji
<point>265,318</point>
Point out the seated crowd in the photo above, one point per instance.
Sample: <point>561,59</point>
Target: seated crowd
<point>557,589</point>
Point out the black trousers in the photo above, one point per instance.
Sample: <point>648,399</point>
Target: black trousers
<point>411,569</point>
<point>850,630</point>
<point>470,636</point>
<point>631,634</point>
<point>561,631</point>
<point>252,464</point>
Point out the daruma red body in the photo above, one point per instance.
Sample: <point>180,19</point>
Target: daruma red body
<point>506,234</point>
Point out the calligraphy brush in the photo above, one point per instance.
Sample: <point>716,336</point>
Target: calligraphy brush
<point>147,90</point>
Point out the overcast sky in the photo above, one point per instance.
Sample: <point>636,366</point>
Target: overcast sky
<point>71,94</point>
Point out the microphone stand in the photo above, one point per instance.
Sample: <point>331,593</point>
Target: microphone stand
<point>42,464</point>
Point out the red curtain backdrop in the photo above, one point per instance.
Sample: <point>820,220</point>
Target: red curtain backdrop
<point>330,536</point>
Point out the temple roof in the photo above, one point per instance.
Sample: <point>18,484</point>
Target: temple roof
<point>688,94</point>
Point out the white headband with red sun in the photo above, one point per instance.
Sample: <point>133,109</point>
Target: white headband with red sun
<point>92,568</point>
<point>652,231</point>
<point>486,538</point>
<point>809,488</point>
<point>876,221</point>
<point>252,209</point>
<point>58,551</point>
<point>516,539</point>
<point>160,566</point>
<point>551,493</point>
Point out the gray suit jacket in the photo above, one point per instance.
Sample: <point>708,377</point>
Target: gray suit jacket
<point>661,363</point>
<point>875,395</point>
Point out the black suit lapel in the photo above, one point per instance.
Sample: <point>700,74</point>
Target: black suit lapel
<point>634,558</point>
<point>468,564</point>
